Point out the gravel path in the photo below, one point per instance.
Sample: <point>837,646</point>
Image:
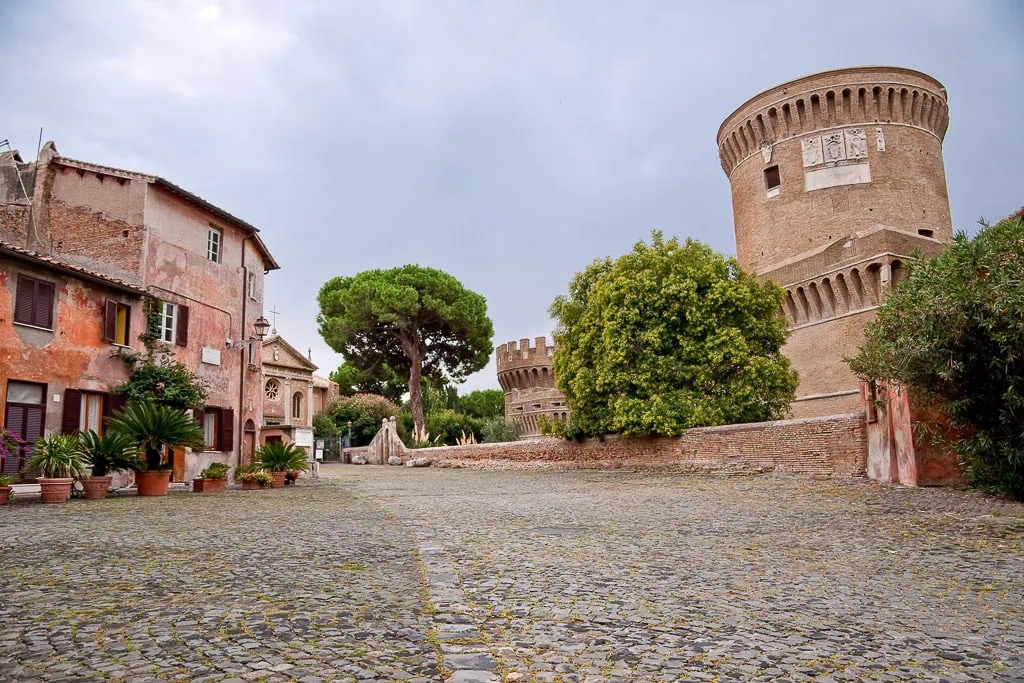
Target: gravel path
<point>383,573</point>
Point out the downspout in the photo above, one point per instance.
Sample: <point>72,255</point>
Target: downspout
<point>245,352</point>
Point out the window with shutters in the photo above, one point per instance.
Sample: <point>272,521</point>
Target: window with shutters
<point>90,416</point>
<point>211,419</point>
<point>168,322</point>
<point>33,302</point>
<point>117,323</point>
<point>24,415</point>
<point>214,237</point>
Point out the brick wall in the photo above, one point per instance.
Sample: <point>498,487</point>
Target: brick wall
<point>829,446</point>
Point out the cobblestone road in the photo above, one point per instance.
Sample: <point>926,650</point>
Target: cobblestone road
<point>518,576</point>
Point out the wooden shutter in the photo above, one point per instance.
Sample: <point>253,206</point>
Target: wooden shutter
<point>226,427</point>
<point>182,326</point>
<point>112,403</point>
<point>14,419</point>
<point>43,313</point>
<point>72,411</point>
<point>35,420</point>
<point>24,304</point>
<point>110,322</point>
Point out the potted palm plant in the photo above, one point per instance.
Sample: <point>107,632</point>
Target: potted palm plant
<point>59,459</point>
<point>211,480</point>
<point>279,459</point>
<point>153,428</point>
<point>110,452</point>
<point>5,489</point>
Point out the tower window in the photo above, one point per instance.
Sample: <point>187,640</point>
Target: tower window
<point>772,179</point>
<point>926,233</point>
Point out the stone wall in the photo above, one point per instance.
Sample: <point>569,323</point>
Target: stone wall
<point>826,446</point>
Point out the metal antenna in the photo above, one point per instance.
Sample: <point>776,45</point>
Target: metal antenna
<point>31,214</point>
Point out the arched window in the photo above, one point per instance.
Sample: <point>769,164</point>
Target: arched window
<point>297,405</point>
<point>272,389</point>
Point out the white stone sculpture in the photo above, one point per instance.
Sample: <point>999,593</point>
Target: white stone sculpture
<point>879,140</point>
<point>766,151</point>
<point>812,151</point>
<point>856,143</point>
<point>835,149</point>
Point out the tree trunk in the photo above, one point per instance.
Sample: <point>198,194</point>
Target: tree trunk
<point>411,346</point>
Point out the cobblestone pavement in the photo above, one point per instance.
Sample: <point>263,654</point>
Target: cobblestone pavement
<point>517,576</point>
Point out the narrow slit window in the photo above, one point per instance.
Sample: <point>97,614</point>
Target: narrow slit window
<point>926,233</point>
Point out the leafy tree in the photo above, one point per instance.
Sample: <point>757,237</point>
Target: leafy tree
<point>418,321</point>
<point>670,336</point>
<point>483,403</point>
<point>324,427</point>
<point>380,380</point>
<point>364,411</point>
<point>953,331</point>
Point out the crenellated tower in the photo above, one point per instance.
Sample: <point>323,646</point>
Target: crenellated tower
<point>837,179</point>
<point>528,380</point>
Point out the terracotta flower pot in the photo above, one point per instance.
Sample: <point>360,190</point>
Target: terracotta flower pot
<point>5,495</point>
<point>96,487</point>
<point>208,485</point>
<point>251,485</point>
<point>278,479</point>
<point>153,483</point>
<point>55,490</point>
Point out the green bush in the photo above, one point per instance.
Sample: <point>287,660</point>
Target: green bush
<point>668,337</point>
<point>449,425</point>
<point>953,331</point>
<point>500,430</point>
<point>365,411</point>
<point>215,470</point>
<point>59,456</point>
<point>484,403</point>
<point>324,427</point>
<point>277,456</point>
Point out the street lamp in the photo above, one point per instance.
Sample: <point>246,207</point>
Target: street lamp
<point>261,325</point>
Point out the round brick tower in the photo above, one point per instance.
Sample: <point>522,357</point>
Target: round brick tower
<point>836,179</point>
<point>528,380</point>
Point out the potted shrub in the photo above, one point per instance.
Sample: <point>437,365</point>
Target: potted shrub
<point>5,489</point>
<point>154,428</point>
<point>211,480</point>
<point>279,459</point>
<point>59,459</point>
<point>108,453</point>
<point>255,479</point>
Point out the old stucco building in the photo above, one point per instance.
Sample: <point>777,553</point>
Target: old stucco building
<point>837,178</point>
<point>200,267</point>
<point>528,380</point>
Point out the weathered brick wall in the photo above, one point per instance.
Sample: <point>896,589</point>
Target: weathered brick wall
<point>831,446</point>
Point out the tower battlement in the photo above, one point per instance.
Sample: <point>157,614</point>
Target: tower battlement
<point>527,377</point>
<point>522,354</point>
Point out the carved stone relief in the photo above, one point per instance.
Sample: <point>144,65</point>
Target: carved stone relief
<point>766,151</point>
<point>879,140</point>
<point>812,151</point>
<point>835,149</point>
<point>856,143</point>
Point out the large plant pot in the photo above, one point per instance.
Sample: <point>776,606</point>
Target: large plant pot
<point>209,485</point>
<point>5,495</point>
<point>278,479</point>
<point>55,490</point>
<point>96,487</point>
<point>153,483</point>
<point>251,485</point>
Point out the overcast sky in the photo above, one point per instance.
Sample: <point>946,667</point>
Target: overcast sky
<point>508,143</point>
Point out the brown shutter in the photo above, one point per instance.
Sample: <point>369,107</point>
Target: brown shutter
<point>35,420</point>
<point>14,419</point>
<point>72,411</point>
<point>24,303</point>
<point>110,322</point>
<point>112,403</point>
<point>226,437</point>
<point>182,333</point>
<point>44,305</point>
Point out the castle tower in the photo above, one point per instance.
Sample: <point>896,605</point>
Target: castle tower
<point>528,380</point>
<point>837,178</point>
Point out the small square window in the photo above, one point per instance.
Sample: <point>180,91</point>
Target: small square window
<point>213,242</point>
<point>772,179</point>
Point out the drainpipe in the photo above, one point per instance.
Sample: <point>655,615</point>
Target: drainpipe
<point>242,360</point>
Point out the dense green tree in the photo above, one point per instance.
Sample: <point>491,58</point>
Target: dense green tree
<point>324,427</point>
<point>380,380</point>
<point>483,403</point>
<point>953,331</point>
<point>415,320</point>
<point>364,411</point>
<point>670,336</point>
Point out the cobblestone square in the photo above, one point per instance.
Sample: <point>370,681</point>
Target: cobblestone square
<point>382,574</point>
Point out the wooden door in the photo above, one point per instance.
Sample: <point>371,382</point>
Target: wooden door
<point>177,464</point>
<point>248,447</point>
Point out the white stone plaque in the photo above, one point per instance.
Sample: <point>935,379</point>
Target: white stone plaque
<point>856,143</point>
<point>211,356</point>
<point>812,151</point>
<point>879,140</point>
<point>834,176</point>
<point>304,437</point>
<point>835,148</point>
<point>766,151</point>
